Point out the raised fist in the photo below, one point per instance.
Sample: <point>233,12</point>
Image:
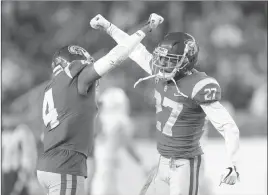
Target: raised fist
<point>155,20</point>
<point>99,22</point>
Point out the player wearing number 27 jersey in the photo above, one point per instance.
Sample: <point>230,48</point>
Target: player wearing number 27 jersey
<point>184,97</point>
<point>69,111</point>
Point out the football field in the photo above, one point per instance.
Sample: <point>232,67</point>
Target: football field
<point>252,167</point>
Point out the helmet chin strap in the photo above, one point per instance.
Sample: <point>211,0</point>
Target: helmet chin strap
<point>143,79</point>
<point>159,75</point>
<point>155,75</point>
<point>178,90</point>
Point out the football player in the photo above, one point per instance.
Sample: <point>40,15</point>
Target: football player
<point>19,156</point>
<point>184,97</point>
<point>116,132</point>
<point>69,109</point>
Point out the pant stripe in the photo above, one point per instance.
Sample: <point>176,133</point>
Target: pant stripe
<point>194,175</point>
<point>74,185</point>
<point>197,173</point>
<point>63,184</point>
<point>191,176</point>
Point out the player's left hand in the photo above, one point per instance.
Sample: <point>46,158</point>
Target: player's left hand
<point>230,176</point>
<point>155,20</point>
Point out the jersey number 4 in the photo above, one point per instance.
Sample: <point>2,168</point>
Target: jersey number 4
<point>50,114</point>
<point>175,112</point>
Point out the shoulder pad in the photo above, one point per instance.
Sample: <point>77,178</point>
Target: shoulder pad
<point>206,90</point>
<point>75,68</point>
<point>187,83</point>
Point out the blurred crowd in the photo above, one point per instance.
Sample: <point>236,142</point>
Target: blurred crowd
<point>232,37</point>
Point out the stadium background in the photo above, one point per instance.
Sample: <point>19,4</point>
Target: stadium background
<point>233,48</point>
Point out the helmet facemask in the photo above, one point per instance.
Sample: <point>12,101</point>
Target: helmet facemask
<point>165,65</point>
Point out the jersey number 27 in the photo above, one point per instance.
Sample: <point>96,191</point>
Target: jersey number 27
<point>175,112</point>
<point>50,114</point>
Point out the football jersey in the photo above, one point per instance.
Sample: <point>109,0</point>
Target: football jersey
<point>68,122</point>
<point>180,118</point>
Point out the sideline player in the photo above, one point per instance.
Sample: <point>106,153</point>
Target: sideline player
<point>19,156</point>
<point>116,132</point>
<point>69,111</point>
<point>184,97</point>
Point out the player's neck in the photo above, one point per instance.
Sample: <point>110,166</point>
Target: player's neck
<point>181,75</point>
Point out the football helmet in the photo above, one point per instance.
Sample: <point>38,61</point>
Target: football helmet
<point>71,54</point>
<point>176,53</point>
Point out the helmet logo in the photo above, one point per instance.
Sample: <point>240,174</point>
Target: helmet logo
<point>192,47</point>
<point>74,49</point>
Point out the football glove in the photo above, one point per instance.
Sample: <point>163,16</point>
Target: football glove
<point>230,176</point>
<point>155,20</point>
<point>99,22</point>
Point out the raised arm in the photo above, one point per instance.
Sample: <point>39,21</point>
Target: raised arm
<point>140,54</point>
<point>115,57</point>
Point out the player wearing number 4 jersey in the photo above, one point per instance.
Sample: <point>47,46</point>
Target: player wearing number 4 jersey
<point>184,97</point>
<point>69,112</point>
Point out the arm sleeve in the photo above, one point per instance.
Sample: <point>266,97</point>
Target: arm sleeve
<point>114,58</point>
<point>206,91</point>
<point>224,123</point>
<point>118,54</point>
<point>140,55</point>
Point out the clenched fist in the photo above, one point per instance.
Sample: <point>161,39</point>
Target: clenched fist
<point>155,20</point>
<point>99,22</point>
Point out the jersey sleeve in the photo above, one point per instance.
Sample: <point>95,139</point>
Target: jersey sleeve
<point>86,78</point>
<point>206,91</point>
<point>226,126</point>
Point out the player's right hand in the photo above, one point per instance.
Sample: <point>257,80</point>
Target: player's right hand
<point>155,20</point>
<point>230,176</point>
<point>99,22</point>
